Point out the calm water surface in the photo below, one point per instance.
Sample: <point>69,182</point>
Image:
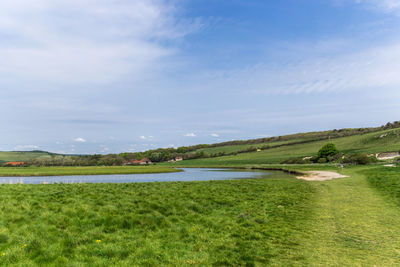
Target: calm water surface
<point>188,174</point>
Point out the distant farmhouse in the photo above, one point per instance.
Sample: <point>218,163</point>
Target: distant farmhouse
<point>144,161</point>
<point>176,159</point>
<point>14,164</point>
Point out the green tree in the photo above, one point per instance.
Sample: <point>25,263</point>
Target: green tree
<point>156,157</point>
<point>328,150</point>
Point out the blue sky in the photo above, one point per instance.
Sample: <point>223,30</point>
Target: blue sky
<point>100,76</point>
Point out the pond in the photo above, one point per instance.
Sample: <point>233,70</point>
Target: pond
<point>188,174</point>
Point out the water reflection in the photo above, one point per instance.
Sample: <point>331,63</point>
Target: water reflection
<point>189,174</point>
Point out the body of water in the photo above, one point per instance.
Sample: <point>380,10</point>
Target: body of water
<point>188,174</point>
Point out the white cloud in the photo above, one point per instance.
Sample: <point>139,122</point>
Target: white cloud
<point>146,137</point>
<point>215,135</point>
<point>80,140</point>
<point>86,41</point>
<point>190,135</point>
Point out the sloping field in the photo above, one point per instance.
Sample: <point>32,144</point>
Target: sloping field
<point>237,148</point>
<point>22,155</point>
<point>382,141</point>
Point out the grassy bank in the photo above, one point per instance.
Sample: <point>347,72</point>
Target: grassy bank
<point>386,181</point>
<point>226,223</point>
<point>61,171</point>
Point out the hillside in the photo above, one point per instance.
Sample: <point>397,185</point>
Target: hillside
<point>254,151</point>
<point>23,155</point>
<point>241,146</point>
<point>374,142</point>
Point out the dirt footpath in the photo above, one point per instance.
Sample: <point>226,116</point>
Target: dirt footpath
<point>320,176</point>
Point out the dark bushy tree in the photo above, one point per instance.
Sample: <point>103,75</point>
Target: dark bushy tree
<point>359,159</point>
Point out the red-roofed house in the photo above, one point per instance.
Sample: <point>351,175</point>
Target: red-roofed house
<point>15,164</point>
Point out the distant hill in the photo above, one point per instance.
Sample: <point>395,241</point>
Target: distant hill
<point>6,156</point>
<point>243,146</point>
<point>263,150</point>
<point>368,140</point>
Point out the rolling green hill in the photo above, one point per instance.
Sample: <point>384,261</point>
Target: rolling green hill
<point>269,150</point>
<point>23,155</point>
<point>242,147</point>
<point>374,142</point>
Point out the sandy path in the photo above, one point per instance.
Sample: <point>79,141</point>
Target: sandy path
<point>321,176</point>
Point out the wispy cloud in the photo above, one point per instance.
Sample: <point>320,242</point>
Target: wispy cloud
<point>385,5</point>
<point>190,135</point>
<point>318,72</point>
<point>86,41</point>
<point>80,140</point>
<point>214,135</point>
<point>143,137</point>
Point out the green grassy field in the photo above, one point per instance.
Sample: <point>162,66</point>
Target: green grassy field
<point>236,148</point>
<point>240,222</point>
<point>387,181</point>
<point>383,141</point>
<point>279,221</point>
<point>58,171</point>
<point>22,156</point>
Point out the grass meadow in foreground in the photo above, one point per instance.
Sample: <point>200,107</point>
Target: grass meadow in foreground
<point>276,221</point>
<point>226,223</point>
<point>92,170</point>
<point>352,223</point>
<point>387,181</point>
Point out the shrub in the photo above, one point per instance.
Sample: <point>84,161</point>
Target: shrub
<point>328,150</point>
<point>322,160</point>
<point>360,159</point>
<point>293,161</point>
